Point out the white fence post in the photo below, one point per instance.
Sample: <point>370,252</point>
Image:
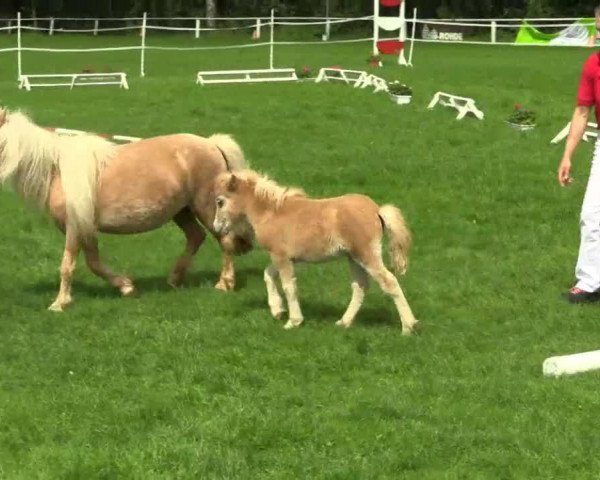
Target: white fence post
<point>494,28</point>
<point>9,27</point>
<point>19,64</point>
<point>197,31</point>
<point>271,53</point>
<point>258,25</point>
<point>51,29</point>
<point>96,24</point>
<point>143,50</point>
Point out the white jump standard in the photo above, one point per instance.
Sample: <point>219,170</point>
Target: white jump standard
<point>464,105</point>
<point>571,364</point>
<point>71,80</point>
<point>246,76</point>
<point>352,77</point>
<point>589,132</point>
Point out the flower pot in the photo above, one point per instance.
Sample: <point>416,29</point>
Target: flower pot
<point>401,99</point>
<point>521,127</point>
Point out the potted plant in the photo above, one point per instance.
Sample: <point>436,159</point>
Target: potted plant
<point>399,92</point>
<point>521,118</point>
<point>303,72</point>
<point>375,61</point>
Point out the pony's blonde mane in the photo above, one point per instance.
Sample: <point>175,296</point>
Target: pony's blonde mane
<point>31,156</point>
<point>267,189</point>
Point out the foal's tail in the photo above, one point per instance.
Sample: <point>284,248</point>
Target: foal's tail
<point>230,149</point>
<point>399,236</point>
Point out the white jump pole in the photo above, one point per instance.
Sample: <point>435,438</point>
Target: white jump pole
<point>19,60</point>
<point>571,364</point>
<point>375,25</point>
<point>143,54</point>
<point>412,38</point>
<point>271,42</point>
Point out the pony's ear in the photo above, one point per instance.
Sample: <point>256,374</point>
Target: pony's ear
<point>232,184</point>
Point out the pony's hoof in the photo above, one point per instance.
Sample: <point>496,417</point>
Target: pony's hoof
<point>341,323</point>
<point>279,316</point>
<point>225,285</point>
<point>175,281</point>
<point>293,323</point>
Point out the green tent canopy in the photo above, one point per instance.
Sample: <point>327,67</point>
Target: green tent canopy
<point>576,34</point>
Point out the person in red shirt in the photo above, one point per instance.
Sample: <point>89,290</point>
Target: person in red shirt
<point>587,271</point>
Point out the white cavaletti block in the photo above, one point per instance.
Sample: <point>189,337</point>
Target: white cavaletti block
<point>571,364</point>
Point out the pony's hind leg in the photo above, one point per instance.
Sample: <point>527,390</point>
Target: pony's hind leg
<point>360,283</point>
<point>67,268</point>
<point>194,236</point>
<point>94,263</point>
<point>389,284</point>
<point>276,304</point>
<point>288,281</point>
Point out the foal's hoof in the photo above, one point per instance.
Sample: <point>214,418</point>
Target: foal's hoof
<point>128,290</point>
<point>279,316</point>
<point>293,323</point>
<point>341,323</point>
<point>60,306</point>
<point>56,307</point>
<point>225,285</point>
<point>415,328</point>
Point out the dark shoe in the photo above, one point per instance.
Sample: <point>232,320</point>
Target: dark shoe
<point>577,295</point>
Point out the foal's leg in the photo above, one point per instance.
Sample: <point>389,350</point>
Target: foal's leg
<point>360,283</point>
<point>288,281</point>
<point>389,284</point>
<point>194,236</point>
<point>92,258</point>
<point>227,278</point>
<point>274,298</point>
<point>67,268</point>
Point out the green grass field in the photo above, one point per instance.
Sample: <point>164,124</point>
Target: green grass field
<point>195,383</point>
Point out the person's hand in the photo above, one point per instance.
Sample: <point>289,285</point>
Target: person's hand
<point>564,172</point>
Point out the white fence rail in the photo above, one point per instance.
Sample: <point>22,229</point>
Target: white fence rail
<point>137,29</point>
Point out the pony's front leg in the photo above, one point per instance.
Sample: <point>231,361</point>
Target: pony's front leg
<point>288,281</point>
<point>274,298</point>
<point>67,268</point>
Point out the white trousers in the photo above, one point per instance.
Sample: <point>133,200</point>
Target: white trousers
<point>587,270</point>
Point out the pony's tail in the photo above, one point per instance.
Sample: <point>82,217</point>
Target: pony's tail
<point>399,237</point>
<point>231,149</point>
<point>80,166</point>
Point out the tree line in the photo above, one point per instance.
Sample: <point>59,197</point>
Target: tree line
<point>194,8</point>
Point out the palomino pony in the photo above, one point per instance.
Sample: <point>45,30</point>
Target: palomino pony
<point>292,228</point>
<point>89,185</point>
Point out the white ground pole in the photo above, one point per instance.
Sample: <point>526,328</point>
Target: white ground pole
<point>571,364</point>
<point>19,61</point>
<point>271,42</point>
<point>412,38</point>
<point>143,50</point>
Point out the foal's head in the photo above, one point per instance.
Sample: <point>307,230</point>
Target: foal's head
<point>230,213</point>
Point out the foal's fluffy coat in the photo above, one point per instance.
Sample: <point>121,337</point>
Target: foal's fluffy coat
<point>89,185</point>
<point>293,227</point>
